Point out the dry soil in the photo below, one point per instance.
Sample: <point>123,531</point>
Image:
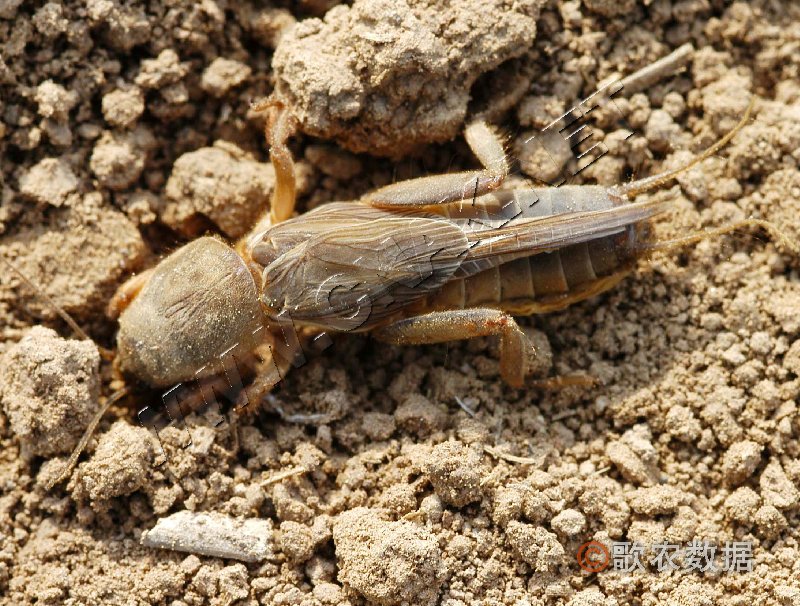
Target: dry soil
<point>411,475</point>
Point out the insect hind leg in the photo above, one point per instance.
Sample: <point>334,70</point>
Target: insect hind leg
<point>516,350</point>
<point>453,187</point>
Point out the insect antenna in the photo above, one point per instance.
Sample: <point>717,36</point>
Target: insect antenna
<point>773,230</point>
<point>87,434</point>
<point>107,354</point>
<point>634,188</point>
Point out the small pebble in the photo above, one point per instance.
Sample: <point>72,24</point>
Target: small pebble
<point>213,534</point>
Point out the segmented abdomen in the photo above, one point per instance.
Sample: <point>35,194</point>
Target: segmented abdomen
<point>539,283</point>
<point>548,281</point>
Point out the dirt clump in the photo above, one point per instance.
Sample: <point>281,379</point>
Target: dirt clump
<point>387,562</point>
<point>221,183</point>
<point>122,107</point>
<point>397,75</point>
<point>455,472</point>
<point>53,255</point>
<point>535,545</point>
<point>740,461</point>
<point>120,465</point>
<point>50,390</point>
<point>50,181</point>
<point>223,74</point>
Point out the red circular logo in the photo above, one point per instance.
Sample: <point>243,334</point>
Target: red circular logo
<point>593,556</point>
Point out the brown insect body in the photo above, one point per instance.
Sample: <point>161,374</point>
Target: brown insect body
<point>486,252</point>
<point>427,260</point>
<point>420,261</point>
<point>350,267</point>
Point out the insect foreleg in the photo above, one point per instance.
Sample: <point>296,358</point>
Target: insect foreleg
<point>271,366</point>
<point>127,293</point>
<point>269,371</point>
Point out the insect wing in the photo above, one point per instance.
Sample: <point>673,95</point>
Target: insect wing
<point>352,277</point>
<point>536,235</point>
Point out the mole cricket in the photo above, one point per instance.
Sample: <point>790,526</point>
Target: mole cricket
<point>421,261</point>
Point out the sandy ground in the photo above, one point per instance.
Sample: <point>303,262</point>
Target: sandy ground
<point>126,130</point>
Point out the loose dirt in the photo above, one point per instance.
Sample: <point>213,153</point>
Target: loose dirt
<point>402,475</point>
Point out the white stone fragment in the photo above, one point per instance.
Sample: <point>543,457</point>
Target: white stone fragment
<point>213,534</point>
